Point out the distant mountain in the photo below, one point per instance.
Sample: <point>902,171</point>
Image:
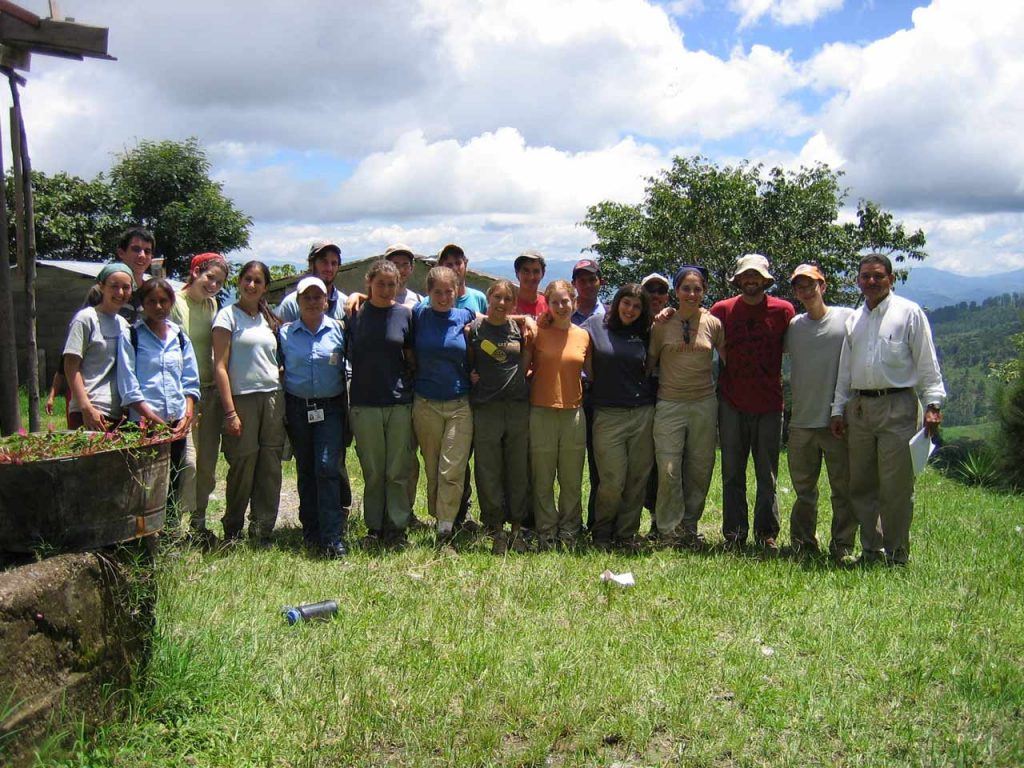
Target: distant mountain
<point>934,288</point>
<point>931,288</point>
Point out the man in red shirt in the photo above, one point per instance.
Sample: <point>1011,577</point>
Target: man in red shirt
<point>750,401</point>
<point>530,268</point>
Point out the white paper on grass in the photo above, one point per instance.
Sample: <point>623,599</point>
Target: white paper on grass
<point>622,579</point>
<point>921,447</point>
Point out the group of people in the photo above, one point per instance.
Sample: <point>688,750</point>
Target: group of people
<point>531,383</point>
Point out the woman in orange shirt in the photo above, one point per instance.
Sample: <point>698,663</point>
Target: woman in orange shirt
<point>558,429</point>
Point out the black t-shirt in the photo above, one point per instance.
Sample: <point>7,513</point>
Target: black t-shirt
<point>497,358</point>
<point>375,339</point>
<point>619,360</point>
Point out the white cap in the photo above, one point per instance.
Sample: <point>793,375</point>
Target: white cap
<point>654,276</point>
<point>310,281</point>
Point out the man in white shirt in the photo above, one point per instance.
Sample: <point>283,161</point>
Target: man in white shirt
<point>888,360</point>
<point>814,342</point>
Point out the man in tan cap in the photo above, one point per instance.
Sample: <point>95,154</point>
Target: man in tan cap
<point>750,408</point>
<point>814,341</point>
<point>401,256</point>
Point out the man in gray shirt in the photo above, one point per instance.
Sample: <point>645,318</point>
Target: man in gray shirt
<point>814,341</point>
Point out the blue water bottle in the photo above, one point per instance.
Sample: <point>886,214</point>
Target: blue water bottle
<point>323,610</point>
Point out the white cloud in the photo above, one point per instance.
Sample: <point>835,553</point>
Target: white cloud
<point>931,117</point>
<point>785,12</point>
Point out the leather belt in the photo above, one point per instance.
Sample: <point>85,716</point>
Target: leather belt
<point>881,392</point>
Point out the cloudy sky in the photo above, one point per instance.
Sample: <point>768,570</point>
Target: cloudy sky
<point>495,123</point>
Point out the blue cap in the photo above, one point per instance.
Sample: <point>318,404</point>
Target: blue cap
<point>291,615</point>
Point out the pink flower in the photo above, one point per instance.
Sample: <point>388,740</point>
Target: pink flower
<point>22,432</point>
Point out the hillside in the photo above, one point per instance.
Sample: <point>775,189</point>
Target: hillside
<point>969,338</point>
<point>935,288</point>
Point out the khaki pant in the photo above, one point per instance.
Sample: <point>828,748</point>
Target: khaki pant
<point>382,443</point>
<point>881,470</point>
<point>685,433</point>
<point>558,446</point>
<point>199,473</point>
<point>806,449</point>
<point>501,442</point>
<point>254,464</point>
<point>444,431</point>
<point>624,451</point>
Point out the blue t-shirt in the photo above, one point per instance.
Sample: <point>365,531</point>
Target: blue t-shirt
<point>472,299</point>
<point>619,362</point>
<point>442,369</point>
<point>377,339</point>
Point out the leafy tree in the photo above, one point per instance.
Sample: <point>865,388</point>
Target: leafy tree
<point>166,186</point>
<point>75,218</point>
<point>699,213</point>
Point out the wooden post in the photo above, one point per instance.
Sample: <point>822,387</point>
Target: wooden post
<point>29,252</point>
<point>10,412</point>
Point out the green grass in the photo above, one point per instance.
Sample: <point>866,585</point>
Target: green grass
<point>984,431</point>
<point>711,660</point>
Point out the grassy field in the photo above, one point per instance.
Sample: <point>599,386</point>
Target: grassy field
<point>710,660</point>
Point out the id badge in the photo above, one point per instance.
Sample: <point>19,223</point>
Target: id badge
<point>315,415</point>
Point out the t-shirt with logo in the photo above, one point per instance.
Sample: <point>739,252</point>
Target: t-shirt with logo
<point>498,360</point>
<point>534,308</point>
<point>751,380</point>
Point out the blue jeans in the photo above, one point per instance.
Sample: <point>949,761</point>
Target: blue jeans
<point>318,448</point>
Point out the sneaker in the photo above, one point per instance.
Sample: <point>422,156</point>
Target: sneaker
<point>337,551</point>
<point>847,560</point>
<point>733,544</point>
<point>805,548</point>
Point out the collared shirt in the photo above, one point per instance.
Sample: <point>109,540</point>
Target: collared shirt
<point>288,309</point>
<point>887,348</point>
<point>162,374</point>
<point>408,298</point>
<point>578,318</point>
<point>314,362</point>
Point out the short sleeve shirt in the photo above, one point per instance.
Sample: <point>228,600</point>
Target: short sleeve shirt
<point>377,339</point>
<point>685,368</point>
<point>442,370</point>
<point>93,336</point>
<point>498,360</point>
<point>196,319</point>
<point>252,364</point>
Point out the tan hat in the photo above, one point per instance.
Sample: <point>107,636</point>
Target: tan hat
<point>807,270</point>
<point>309,281</point>
<point>752,261</point>
<point>399,248</point>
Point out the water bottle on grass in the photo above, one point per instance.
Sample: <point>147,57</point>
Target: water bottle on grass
<point>323,610</point>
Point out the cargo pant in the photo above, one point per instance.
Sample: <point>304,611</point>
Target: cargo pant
<point>805,451</point>
<point>199,473</point>
<point>624,450</point>
<point>383,435</point>
<point>444,431</point>
<point>501,442</point>
<point>684,445</point>
<point>254,464</point>
<point>558,447</point>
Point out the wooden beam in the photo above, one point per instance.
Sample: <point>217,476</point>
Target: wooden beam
<point>10,409</point>
<point>19,13</point>
<point>54,37</point>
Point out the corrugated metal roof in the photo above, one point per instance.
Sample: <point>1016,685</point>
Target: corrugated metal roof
<point>86,268</point>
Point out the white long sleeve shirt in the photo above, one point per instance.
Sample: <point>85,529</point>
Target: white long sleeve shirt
<point>889,347</point>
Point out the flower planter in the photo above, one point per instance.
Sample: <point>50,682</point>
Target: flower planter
<point>83,502</point>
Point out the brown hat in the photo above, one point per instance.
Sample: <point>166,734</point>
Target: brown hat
<point>807,270</point>
<point>451,248</point>
<point>322,245</point>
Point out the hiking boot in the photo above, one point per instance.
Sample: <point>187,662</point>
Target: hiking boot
<point>336,551</point>
<point>396,541</point>
<point>805,548</point>
<point>203,538</point>
<point>769,546</point>
<point>415,524</point>
<point>692,541</point>
<point>371,541</point>
<point>445,543</point>
<point>630,545</point>
<point>848,560</point>
<point>500,545</point>
<point>470,526</point>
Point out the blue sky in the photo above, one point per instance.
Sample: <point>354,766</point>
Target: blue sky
<point>495,123</point>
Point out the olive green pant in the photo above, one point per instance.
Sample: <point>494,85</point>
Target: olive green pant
<point>882,471</point>
<point>444,431</point>
<point>382,444</point>
<point>685,432</point>
<point>254,464</point>
<point>199,474</point>
<point>558,447</point>
<point>804,452</point>
<point>501,442</point>
<point>624,451</point>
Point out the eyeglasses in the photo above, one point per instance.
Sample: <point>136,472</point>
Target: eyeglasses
<point>659,290</point>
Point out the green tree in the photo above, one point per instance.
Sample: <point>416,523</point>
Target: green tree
<point>699,213</point>
<point>166,186</point>
<point>75,218</point>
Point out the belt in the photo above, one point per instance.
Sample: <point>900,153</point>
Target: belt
<point>881,392</point>
<point>313,402</point>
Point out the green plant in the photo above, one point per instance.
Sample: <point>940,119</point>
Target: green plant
<point>25,447</point>
<point>979,468</point>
